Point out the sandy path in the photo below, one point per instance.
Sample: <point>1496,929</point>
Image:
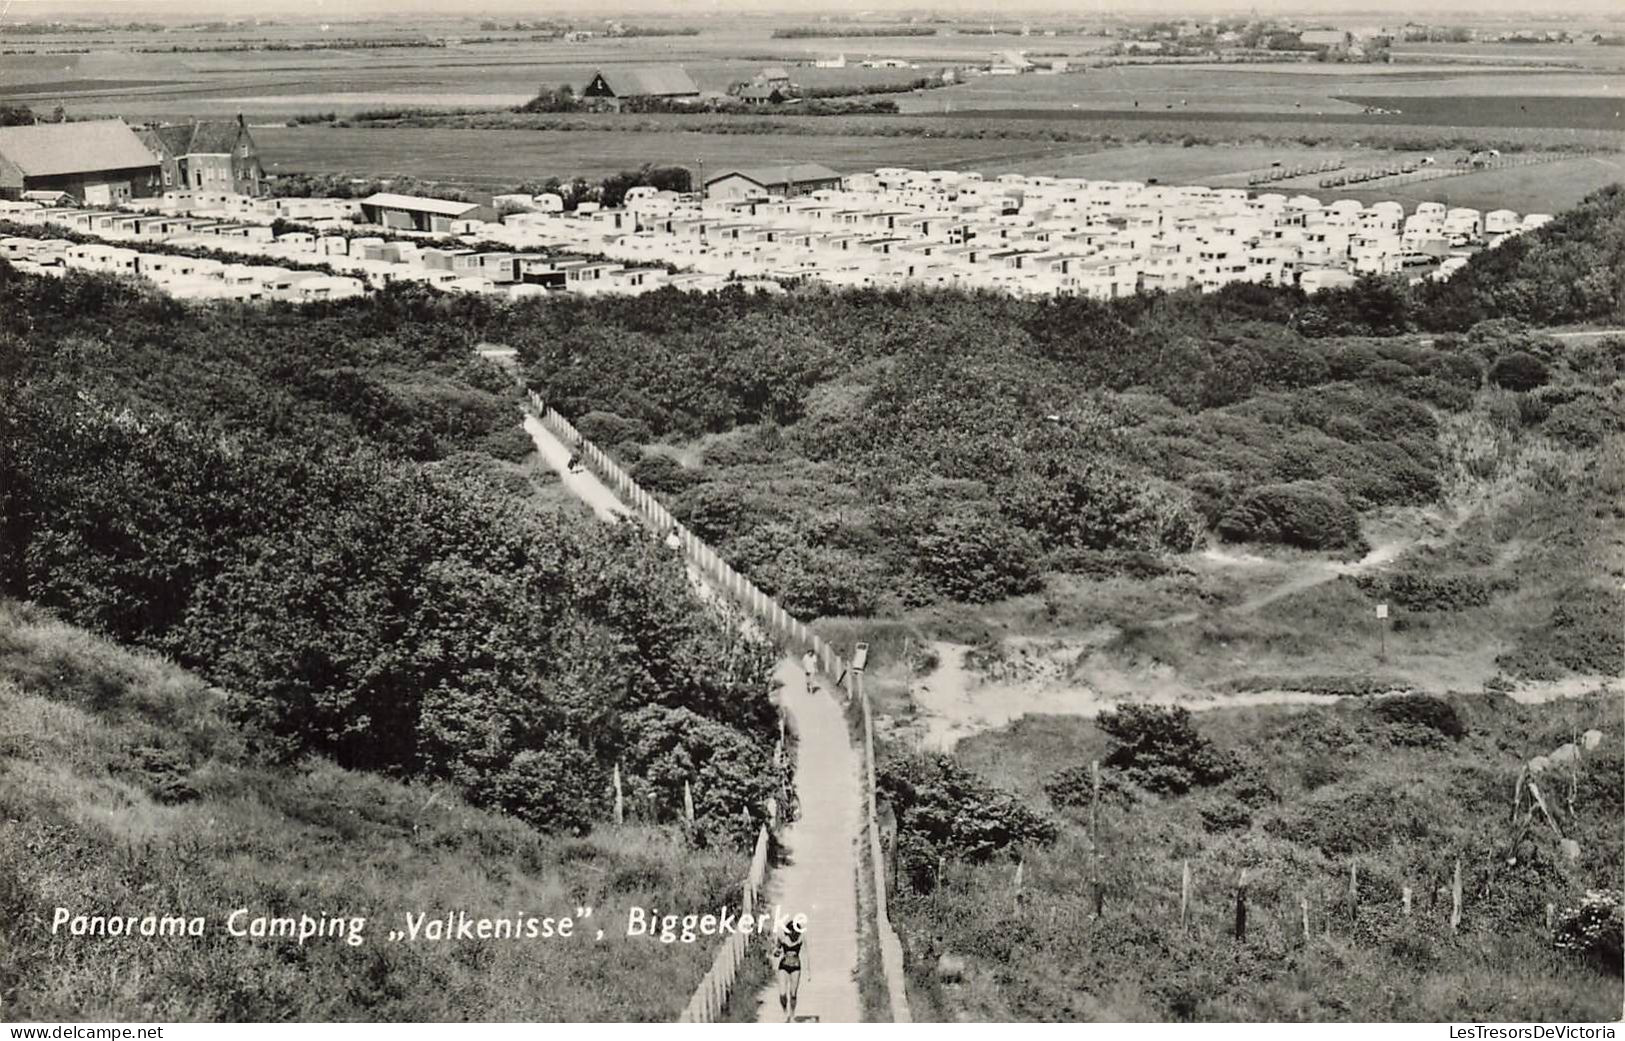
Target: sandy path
<point>954,702</point>
<point>820,877</point>
<point>582,484</point>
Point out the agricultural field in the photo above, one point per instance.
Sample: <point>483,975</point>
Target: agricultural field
<point>504,157</point>
<point>1452,96</point>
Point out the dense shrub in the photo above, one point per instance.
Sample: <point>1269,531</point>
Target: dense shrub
<point>1595,929</point>
<point>663,476</point>
<point>1416,591</point>
<point>1158,748</point>
<point>606,429</point>
<point>1308,514</point>
<point>1073,787</point>
<point>1224,814</point>
<point>1579,424</point>
<point>1420,710</point>
<point>977,559</point>
<point>1519,371</point>
<point>954,812</point>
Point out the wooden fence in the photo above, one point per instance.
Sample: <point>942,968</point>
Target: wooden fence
<point>711,996</point>
<point>791,633</point>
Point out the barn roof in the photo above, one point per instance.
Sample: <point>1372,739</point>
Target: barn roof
<point>765,175</point>
<point>418,203</point>
<point>50,149</point>
<point>627,81</point>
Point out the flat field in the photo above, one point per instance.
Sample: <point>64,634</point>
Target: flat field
<point>503,157</point>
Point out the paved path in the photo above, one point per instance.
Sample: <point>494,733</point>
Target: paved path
<point>820,876</point>
<point>583,483</point>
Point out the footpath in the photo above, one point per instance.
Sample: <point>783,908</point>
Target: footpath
<point>819,876</point>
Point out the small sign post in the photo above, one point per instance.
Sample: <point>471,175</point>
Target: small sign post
<point>1382,632</point>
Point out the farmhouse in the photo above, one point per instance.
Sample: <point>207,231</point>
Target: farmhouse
<point>215,155</point>
<point>774,76</point>
<point>414,213</point>
<point>787,180</point>
<point>761,94</point>
<point>98,163</point>
<point>641,81</point>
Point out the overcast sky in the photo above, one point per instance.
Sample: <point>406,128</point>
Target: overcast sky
<point>1436,10</point>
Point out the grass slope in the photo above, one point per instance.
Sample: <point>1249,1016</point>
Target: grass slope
<point>1322,789</point>
<point>123,792</point>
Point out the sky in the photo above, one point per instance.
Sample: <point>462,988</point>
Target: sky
<point>1434,11</point>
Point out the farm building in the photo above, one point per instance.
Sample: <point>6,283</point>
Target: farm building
<point>761,94</point>
<point>787,180</point>
<point>216,155</point>
<point>774,76</point>
<point>641,81</point>
<point>98,162</point>
<point>414,213</point>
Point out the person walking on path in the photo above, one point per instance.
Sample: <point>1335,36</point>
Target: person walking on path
<point>809,665</point>
<point>789,959</point>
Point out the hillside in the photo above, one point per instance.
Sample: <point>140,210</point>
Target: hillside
<point>1392,790</point>
<point>125,790</point>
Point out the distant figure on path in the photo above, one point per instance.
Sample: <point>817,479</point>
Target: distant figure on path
<point>673,543</point>
<point>788,957</point>
<point>809,665</point>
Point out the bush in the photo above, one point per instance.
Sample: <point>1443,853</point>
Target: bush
<point>956,813</point>
<point>555,789</point>
<point>977,559</point>
<point>663,476</point>
<point>1594,930</point>
<point>1578,424</point>
<point>1224,815</point>
<point>1073,787</point>
<point>1422,711</point>
<point>1519,371</point>
<point>606,429</point>
<point>1307,514</point>
<point>1419,592</point>
<point>1159,749</point>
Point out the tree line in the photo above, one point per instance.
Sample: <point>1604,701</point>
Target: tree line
<point>309,508</point>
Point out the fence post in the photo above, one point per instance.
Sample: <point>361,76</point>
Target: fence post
<point>620,805</point>
<point>1455,899</point>
<point>688,803</point>
<point>1241,907</point>
<point>1184,894</point>
<point>1303,904</point>
<point>1406,895</point>
<point>1354,891</point>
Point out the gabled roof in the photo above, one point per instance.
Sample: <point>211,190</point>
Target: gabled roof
<point>774,72</point>
<point>49,149</point>
<point>765,175</point>
<point>420,204</point>
<point>628,81</point>
<point>215,137</point>
<point>204,137</point>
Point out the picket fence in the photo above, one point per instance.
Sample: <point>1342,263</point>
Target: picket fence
<point>793,634</point>
<point>711,996</point>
